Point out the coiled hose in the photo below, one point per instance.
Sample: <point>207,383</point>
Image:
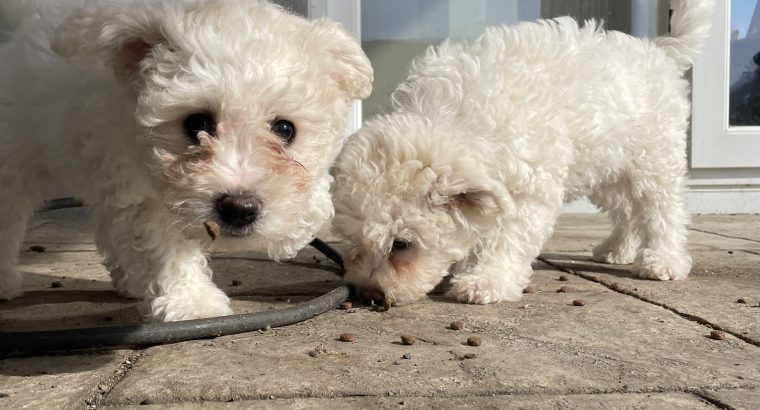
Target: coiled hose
<point>49,341</point>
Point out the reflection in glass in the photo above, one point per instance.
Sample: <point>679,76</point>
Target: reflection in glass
<point>396,31</point>
<point>744,91</point>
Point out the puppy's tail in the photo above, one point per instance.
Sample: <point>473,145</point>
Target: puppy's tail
<point>689,28</point>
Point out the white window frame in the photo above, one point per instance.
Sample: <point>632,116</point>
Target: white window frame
<point>348,13</point>
<point>715,144</point>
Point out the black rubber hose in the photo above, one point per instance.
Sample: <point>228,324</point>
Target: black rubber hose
<point>60,203</point>
<point>40,342</point>
<point>26,343</point>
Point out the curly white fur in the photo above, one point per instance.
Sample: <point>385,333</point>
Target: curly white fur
<point>489,137</point>
<point>99,109</point>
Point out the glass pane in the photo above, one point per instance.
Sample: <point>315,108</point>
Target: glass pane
<point>297,7</point>
<point>744,71</point>
<point>396,31</point>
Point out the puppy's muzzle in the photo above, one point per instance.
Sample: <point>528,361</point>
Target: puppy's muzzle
<point>238,211</point>
<point>372,295</point>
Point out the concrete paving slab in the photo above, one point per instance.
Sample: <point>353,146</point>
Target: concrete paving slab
<point>542,345</point>
<point>738,399</point>
<point>737,226</point>
<point>718,280</point>
<point>652,401</point>
<point>580,232</point>
<point>60,382</point>
<point>620,350</point>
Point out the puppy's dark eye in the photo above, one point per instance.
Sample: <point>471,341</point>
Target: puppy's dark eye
<point>400,245</point>
<point>195,123</point>
<point>285,130</point>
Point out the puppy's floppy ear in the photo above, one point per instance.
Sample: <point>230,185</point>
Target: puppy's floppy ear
<point>121,37</point>
<point>463,194</point>
<point>340,57</point>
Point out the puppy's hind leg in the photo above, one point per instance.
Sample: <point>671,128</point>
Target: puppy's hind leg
<point>16,207</point>
<point>662,218</point>
<point>105,233</point>
<point>621,247</point>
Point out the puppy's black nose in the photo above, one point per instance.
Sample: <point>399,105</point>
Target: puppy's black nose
<point>372,295</point>
<point>238,211</point>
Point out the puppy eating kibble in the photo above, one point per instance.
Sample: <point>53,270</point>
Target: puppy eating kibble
<point>487,138</point>
<point>179,123</point>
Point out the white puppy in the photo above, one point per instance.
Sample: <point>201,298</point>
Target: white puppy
<point>166,115</point>
<point>487,139</point>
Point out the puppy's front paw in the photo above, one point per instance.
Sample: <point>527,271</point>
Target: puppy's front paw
<point>483,290</point>
<point>196,305</point>
<point>614,255</point>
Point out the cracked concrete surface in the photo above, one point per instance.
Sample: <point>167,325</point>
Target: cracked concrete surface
<point>634,344</point>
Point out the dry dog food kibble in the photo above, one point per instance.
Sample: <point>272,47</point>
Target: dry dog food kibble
<point>346,305</point>
<point>387,303</point>
<point>408,340</point>
<point>717,335</point>
<point>347,337</point>
<point>473,341</point>
<point>578,302</point>
<point>456,325</point>
<point>212,229</point>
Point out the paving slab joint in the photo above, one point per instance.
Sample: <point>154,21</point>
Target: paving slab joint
<point>724,235</point>
<point>687,316</point>
<point>104,387</point>
<point>712,400</point>
<point>699,391</point>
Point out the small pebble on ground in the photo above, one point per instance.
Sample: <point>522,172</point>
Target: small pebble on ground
<point>347,337</point>
<point>37,248</point>
<point>407,356</point>
<point>563,278</point>
<point>741,300</point>
<point>564,289</point>
<point>717,335</point>
<point>408,340</point>
<point>529,289</point>
<point>474,341</point>
<point>346,305</point>
<point>578,302</point>
<point>56,284</point>
<point>236,282</point>
<point>458,325</point>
